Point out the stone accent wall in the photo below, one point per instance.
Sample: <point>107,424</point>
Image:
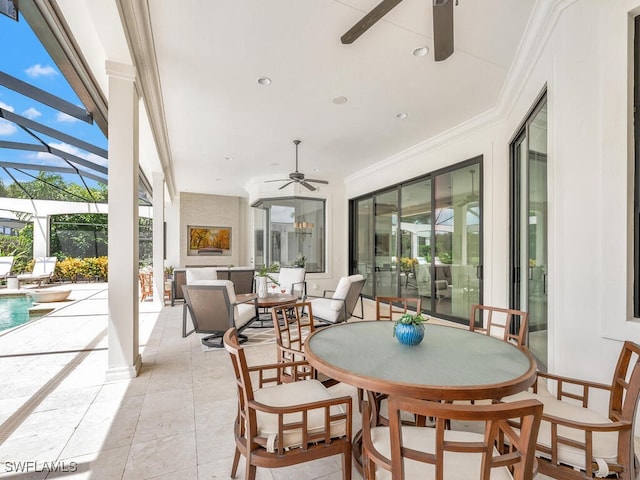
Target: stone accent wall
<point>211,211</point>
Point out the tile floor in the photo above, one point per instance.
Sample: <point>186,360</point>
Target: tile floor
<point>173,421</point>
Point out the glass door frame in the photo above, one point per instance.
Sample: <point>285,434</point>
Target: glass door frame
<point>428,306</point>
<point>516,246</point>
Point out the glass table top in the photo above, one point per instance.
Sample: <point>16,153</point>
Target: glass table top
<point>450,362</point>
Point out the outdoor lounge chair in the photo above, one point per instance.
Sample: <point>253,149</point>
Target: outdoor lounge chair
<point>214,308</point>
<point>43,270</point>
<point>340,306</point>
<point>6,264</point>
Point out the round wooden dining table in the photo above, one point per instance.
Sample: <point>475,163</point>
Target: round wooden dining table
<point>450,363</point>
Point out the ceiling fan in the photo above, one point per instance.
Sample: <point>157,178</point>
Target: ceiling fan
<point>297,177</point>
<point>442,25</point>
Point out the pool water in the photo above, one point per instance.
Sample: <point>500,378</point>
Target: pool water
<point>14,311</point>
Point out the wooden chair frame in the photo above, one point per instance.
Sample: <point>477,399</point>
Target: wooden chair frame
<point>293,323</point>
<point>518,453</point>
<point>624,392</point>
<point>387,307</point>
<point>476,322</point>
<point>252,446</point>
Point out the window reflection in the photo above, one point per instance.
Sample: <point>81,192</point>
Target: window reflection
<point>290,231</point>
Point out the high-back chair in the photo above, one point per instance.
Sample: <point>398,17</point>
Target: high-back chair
<point>392,308</point>
<point>339,307</point>
<point>214,308</point>
<point>292,280</point>
<point>146,285</point>
<point>577,441</point>
<point>242,278</point>
<point>407,452</point>
<point>198,275</point>
<point>287,423</point>
<point>500,322</point>
<point>293,323</point>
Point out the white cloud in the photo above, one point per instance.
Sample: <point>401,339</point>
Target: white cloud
<point>7,128</point>
<point>38,70</point>
<point>31,113</point>
<point>65,147</point>
<point>6,107</point>
<point>64,118</point>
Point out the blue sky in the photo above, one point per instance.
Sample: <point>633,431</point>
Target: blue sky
<point>25,58</point>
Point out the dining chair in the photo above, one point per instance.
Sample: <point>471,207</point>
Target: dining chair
<point>577,441</point>
<point>146,285</point>
<point>392,308</point>
<point>407,452</point>
<point>293,323</point>
<point>509,324</point>
<point>286,423</point>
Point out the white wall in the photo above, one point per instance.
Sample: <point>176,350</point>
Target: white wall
<point>580,50</point>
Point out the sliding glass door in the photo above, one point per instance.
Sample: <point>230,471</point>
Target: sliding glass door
<point>529,242</point>
<point>423,238</point>
<point>456,264</point>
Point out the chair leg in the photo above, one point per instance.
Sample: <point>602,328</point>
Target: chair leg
<point>236,460</point>
<point>250,470</point>
<point>346,466</point>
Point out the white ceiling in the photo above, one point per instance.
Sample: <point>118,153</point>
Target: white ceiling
<point>224,128</point>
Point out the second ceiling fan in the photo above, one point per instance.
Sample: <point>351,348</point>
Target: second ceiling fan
<point>297,177</point>
<point>442,25</point>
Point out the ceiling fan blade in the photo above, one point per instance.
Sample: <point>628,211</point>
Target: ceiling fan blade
<point>442,29</point>
<point>316,181</point>
<point>368,20</point>
<point>279,180</point>
<point>310,187</point>
<point>285,185</point>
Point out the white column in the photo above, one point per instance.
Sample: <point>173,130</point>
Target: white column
<point>40,236</point>
<point>158,237</point>
<point>123,358</point>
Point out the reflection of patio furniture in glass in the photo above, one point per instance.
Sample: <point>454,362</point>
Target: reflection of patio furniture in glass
<point>423,281</point>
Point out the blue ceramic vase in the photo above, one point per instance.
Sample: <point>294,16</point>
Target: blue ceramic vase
<point>409,334</point>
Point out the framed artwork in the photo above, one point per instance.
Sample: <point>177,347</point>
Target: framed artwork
<point>209,241</point>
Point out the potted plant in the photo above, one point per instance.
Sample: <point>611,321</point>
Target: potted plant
<point>409,328</point>
<point>262,275</point>
<point>300,260</point>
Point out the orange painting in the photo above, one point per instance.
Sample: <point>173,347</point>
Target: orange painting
<point>209,240</point>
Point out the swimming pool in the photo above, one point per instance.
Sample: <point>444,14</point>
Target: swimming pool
<point>14,311</point>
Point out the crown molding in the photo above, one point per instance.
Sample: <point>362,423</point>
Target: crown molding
<point>135,17</point>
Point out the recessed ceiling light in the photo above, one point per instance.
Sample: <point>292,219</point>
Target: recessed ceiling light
<point>401,116</point>
<point>339,100</point>
<point>264,81</point>
<point>274,164</point>
<point>420,51</point>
